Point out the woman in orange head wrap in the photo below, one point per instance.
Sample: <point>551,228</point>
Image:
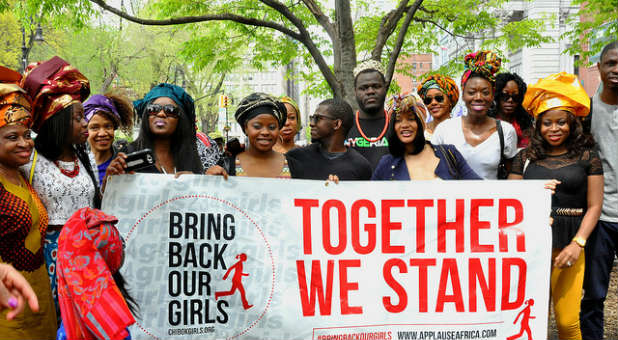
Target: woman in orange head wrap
<point>440,94</point>
<point>23,218</point>
<point>558,150</point>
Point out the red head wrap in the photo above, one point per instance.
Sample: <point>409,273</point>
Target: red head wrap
<point>53,85</point>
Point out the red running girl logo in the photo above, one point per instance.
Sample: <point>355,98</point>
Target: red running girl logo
<point>525,321</point>
<point>236,281</point>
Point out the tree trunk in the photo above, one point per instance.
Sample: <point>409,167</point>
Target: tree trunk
<point>346,47</point>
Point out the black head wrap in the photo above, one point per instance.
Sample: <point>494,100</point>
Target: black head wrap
<point>259,103</point>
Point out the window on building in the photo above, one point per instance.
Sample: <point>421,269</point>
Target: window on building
<point>414,66</point>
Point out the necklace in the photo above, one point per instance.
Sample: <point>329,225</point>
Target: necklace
<point>371,140</point>
<point>68,173</point>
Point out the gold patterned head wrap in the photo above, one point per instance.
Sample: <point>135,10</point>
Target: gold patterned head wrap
<point>367,65</point>
<point>14,102</point>
<point>408,103</point>
<point>288,100</point>
<point>485,63</point>
<point>559,91</point>
<point>443,83</point>
<point>53,85</point>
<point>259,103</point>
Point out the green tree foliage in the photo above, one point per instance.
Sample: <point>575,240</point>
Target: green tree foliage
<point>10,41</point>
<point>114,53</point>
<point>595,25</point>
<point>328,40</point>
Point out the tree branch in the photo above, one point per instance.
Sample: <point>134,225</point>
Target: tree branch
<point>387,27</point>
<point>302,36</point>
<point>429,21</point>
<point>215,90</point>
<point>423,9</point>
<point>199,18</point>
<point>322,19</point>
<point>305,38</point>
<point>400,39</point>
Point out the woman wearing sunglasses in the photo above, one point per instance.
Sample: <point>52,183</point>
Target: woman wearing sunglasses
<point>168,129</point>
<point>440,95</point>
<point>105,114</point>
<point>510,91</point>
<point>411,156</point>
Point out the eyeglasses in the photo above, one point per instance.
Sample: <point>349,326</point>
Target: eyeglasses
<point>314,118</point>
<point>438,98</point>
<point>169,110</point>
<point>506,96</point>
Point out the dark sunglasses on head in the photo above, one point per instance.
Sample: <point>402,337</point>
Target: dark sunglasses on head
<point>169,109</point>
<point>314,118</point>
<point>439,99</point>
<point>506,96</point>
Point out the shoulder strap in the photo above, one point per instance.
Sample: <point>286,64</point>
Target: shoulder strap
<point>451,161</point>
<point>587,120</point>
<point>32,167</point>
<point>501,136</point>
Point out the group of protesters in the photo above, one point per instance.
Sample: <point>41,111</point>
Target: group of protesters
<point>61,255</point>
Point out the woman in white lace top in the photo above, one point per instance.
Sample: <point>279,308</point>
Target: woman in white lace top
<point>61,171</point>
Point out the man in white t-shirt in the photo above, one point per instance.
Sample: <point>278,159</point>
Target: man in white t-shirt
<point>603,242</point>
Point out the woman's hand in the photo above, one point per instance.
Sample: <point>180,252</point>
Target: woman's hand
<point>217,170</point>
<point>552,184</point>
<point>117,165</point>
<point>332,178</point>
<point>179,173</point>
<point>568,256</point>
<point>14,291</point>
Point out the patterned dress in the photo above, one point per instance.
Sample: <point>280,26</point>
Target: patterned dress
<point>23,221</point>
<point>239,171</point>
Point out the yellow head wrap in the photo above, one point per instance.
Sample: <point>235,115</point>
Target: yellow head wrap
<point>286,99</point>
<point>14,102</point>
<point>559,91</point>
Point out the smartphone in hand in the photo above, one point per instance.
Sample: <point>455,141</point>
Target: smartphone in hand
<point>139,160</point>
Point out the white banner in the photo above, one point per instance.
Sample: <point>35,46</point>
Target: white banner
<point>289,259</point>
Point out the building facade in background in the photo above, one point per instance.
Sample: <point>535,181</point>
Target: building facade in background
<point>276,81</point>
<point>531,63</point>
<point>417,65</point>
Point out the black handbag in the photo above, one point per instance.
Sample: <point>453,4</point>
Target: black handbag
<point>502,172</point>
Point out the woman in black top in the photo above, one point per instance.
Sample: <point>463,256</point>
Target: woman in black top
<point>168,129</point>
<point>510,90</point>
<point>558,150</point>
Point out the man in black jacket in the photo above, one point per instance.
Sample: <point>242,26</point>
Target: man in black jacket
<point>327,155</point>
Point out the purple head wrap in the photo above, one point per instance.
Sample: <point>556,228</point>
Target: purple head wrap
<point>98,103</point>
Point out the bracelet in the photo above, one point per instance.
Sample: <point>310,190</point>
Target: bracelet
<point>579,241</point>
